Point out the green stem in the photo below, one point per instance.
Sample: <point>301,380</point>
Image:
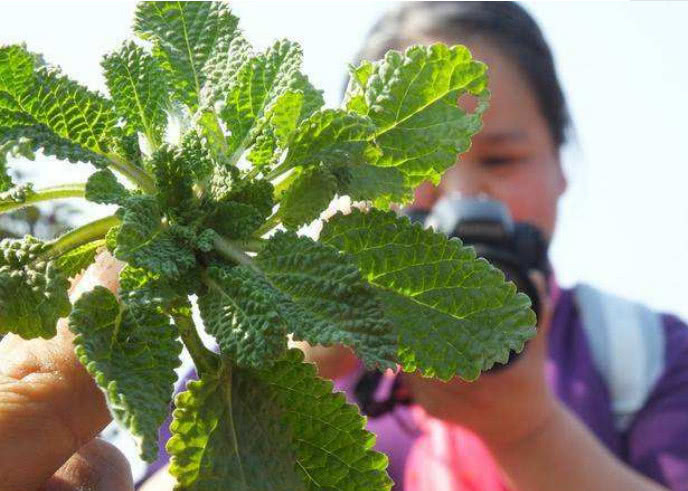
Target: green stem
<point>269,224</point>
<point>279,170</point>
<point>136,175</point>
<point>230,250</point>
<point>80,236</point>
<point>205,360</point>
<point>45,194</point>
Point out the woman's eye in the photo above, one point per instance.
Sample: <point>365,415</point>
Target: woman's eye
<point>496,161</point>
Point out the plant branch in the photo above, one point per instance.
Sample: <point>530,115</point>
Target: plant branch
<point>83,235</point>
<point>205,360</point>
<point>46,194</point>
<point>135,174</point>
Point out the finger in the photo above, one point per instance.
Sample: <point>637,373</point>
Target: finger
<point>49,405</point>
<point>98,466</point>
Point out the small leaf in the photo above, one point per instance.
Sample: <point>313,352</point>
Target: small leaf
<point>139,90</point>
<point>173,178</point>
<point>103,187</point>
<point>240,310</point>
<point>33,291</point>
<point>121,346</point>
<point>454,313</point>
<point>75,261</point>
<point>310,194</point>
<point>381,185</point>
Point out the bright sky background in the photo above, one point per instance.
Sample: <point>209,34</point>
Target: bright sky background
<point>624,220</point>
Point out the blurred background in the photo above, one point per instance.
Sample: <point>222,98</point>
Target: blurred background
<point>624,219</point>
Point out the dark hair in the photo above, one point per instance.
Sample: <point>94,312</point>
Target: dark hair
<point>506,24</point>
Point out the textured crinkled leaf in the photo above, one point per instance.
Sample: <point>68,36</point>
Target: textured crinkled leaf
<point>333,136</point>
<point>33,291</point>
<point>412,99</point>
<point>138,87</point>
<point>103,187</point>
<point>196,155</point>
<point>234,220</point>
<point>454,313</point>
<point>328,301</point>
<point>186,38</point>
<point>131,351</point>
<point>75,261</point>
<point>138,285</point>
<point>309,194</point>
<point>241,311</point>
<point>381,185</point>
<point>260,81</point>
<point>143,241</point>
<point>333,448</point>
<point>55,113</point>
<point>173,178</point>
<point>227,434</point>
<point>222,68</point>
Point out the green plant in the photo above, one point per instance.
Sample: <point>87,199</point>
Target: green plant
<point>253,149</point>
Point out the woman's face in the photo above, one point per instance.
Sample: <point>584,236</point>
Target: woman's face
<point>513,159</point>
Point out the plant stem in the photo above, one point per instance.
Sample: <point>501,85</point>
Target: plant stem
<point>269,224</point>
<point>205,360</point>
<point>230,250</point>
<point>80,236</point>
<point>46,194</point>
<point>136,175</point>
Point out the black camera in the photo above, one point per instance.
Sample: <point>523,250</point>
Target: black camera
<point>516,248</point>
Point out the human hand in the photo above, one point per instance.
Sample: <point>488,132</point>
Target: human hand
<point>502,407</point>
<point>51,410</point>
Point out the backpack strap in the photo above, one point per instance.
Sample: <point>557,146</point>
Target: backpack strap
<point>627,344</point>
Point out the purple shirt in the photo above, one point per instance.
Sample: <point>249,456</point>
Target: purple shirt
<point>655,443</point>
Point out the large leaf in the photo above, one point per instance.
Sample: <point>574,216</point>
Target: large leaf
<point>33,291</point>
<point>186,37</point>
<point>276,429</point>
<point>227,434</point>
<point>412,99</point>
<point>454,313</point>
<point>132,352</point>
<point>75,261</point>
<point>328,301</point>
<point>54,113</point>
<point>138,87</point>
<point>309,194</point>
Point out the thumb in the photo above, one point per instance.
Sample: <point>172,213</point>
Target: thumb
<point>97,465</point>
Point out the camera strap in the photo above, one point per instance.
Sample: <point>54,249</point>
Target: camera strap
<point>627,344</point>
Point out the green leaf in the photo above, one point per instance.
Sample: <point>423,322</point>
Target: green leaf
<point>54,113</point>
<point>33,291</point>
<point>240,310</point>
<point>333,136</point>
<point>139,90</point>
<point>145,242</point>
<point>131,351</point>
<point>333,448</point>
<point>222,69</point>
<point>75,261</point>
<point>196,156</point>
<point>279,428</point>
<point>227,434</point>
<point>186,36</point>
<point>454,313</point>
<point>326,300</point>
<point>412,99</point>
<point>173,178</point>
<point>103,187</point>
<point>381,185</point>
<point>309,194</point>
<point>234,220</point>
<point>259,82</point>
